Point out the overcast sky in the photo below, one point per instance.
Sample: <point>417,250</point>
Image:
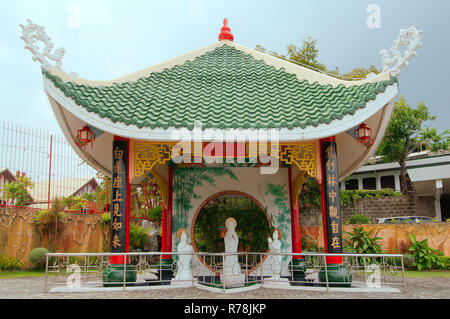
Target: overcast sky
<point>114,38</point>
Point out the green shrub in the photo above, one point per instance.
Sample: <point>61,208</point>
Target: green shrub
<point>446,260</point>
<point>155,214</point>
<point>105,221</point>
<point>37,258</point>
<point>49,219</point>
<point>360,242</point>
<point>9,263</point>
<point>425,256</point>
<point>352,196</point>
<point>408,260</point>
<point>358,219</point>
<point>138,237</point>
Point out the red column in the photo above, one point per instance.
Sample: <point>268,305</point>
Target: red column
<point>326,209</point>
<point>295,220</point>
<point>166,243</point>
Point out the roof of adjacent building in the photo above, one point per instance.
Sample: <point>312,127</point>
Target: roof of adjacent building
<point>60,188</point>
<point>223,88</point>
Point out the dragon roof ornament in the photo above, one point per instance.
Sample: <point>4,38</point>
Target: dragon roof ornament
<point>49,58</point>
<point>397,59</point>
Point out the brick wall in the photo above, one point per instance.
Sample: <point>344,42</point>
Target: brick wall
<point>376,207</point>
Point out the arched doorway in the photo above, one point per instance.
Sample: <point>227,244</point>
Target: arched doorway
<point>253,226</point>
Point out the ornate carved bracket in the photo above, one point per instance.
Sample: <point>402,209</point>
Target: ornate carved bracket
<point>49,58</point>
<point>409,38</point>
<point>147,155</point>
<point>302,155</point>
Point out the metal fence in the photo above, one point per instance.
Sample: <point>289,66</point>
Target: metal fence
<point>84,272</point>
<point>47,160</point>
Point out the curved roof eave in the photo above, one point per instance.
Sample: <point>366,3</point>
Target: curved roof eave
<point>302,73</point>
<point>172,134</point>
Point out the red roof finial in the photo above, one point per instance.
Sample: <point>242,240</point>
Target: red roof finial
<point>225,32</point>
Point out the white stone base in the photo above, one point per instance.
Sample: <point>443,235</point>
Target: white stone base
<point>230,280</point>
<point>183,283</point>
<point>276,282</point>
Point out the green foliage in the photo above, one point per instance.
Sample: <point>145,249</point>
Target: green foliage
<point>446,261</point>
<point>350,197</point>
<point>73,203</point>
<point>408,260</point>
<point>308,56</point>
<point>313,245</point>
<point>16,193</point>
<point>49,219</point>
<point>360,241</point>
<point>37,258</point>
<point>155,213</point>
<point>252,224</point>
<point>312,197</point>
<point>425,256</point>
<point>403,135</point>
<point>138,237</point>
<point>8,263</point>
<point>105,220</point>
<point>433,141</point>
<point>358,219</point>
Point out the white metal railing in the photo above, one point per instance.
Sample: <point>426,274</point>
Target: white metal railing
<point>75,271</point>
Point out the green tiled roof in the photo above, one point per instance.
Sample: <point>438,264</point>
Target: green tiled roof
<point>223,88</point>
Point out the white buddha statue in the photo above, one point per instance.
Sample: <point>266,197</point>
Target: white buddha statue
<point>231,264</point>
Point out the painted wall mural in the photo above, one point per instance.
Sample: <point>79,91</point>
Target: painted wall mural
<point>186,180</point>
<point>193,185</point>
<point>282,218</point>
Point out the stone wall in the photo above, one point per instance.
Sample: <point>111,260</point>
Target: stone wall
<point>376,207</point>
<point>395,237</point>
<point>19,235</point>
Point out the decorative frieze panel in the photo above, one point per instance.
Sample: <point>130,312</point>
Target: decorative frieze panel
<point>303,155</point>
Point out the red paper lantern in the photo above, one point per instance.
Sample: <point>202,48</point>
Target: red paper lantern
<point>364,135</point>
<point>85,136</point>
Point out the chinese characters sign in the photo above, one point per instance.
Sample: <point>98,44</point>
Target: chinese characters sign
<point>331,196</point>
<point>119,195</point>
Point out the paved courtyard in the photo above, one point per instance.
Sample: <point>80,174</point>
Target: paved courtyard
<point>34,288</point>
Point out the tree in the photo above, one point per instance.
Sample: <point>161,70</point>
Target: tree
<point>404,135</point>
<point>17,193</point>
<point>308,56</point>
<point>433,141</point>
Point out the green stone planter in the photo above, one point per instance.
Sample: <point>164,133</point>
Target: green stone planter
<point>165,269</point>
<point>113,275</point>
<point>298,268</point>
<point>338,275</point>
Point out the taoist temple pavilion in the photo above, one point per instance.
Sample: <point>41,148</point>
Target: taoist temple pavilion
<point>240,121</point>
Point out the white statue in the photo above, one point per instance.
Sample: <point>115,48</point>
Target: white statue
<point>231,264</point>
<point>275,248</point>
<point>231,276</point>
<point>184,271</point>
